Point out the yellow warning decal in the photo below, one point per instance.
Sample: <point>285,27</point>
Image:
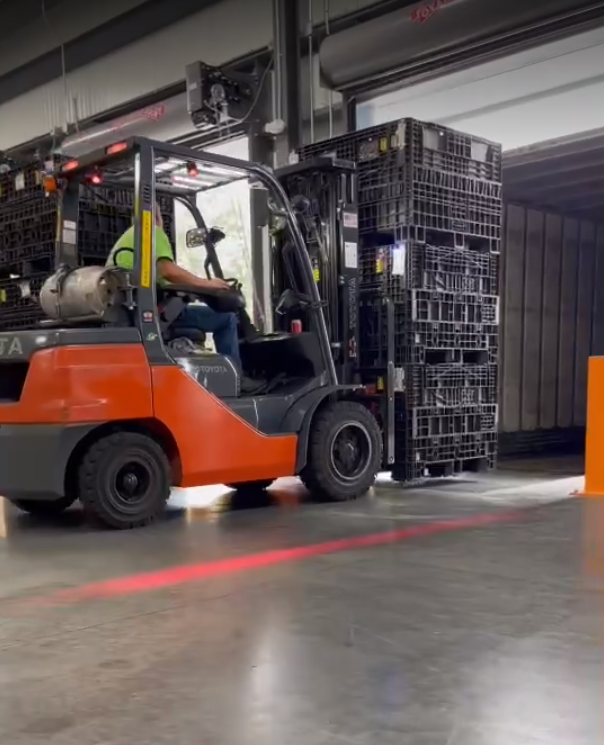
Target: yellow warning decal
<point>146,250</point>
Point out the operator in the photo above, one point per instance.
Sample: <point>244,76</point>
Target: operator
<point>222,326</point>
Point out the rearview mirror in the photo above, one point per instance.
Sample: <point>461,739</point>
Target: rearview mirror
<point>195,237</point>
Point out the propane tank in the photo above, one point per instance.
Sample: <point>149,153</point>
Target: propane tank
<point>87,291</point>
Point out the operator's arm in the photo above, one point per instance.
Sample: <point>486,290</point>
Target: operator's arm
<point>176,275</point>
<point>169,271</point>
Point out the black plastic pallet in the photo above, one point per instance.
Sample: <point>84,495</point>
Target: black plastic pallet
<point>417,471</point>
<point>411,265</point>
<point>444,448</point>
<point>409,141</point>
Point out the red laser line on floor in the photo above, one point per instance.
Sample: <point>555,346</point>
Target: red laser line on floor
<point>180,575</point>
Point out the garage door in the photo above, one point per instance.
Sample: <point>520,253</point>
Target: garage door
<point>551,91</point>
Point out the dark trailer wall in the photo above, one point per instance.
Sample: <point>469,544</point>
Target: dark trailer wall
<point>552,289</point>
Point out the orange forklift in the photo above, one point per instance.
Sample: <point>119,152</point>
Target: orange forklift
<point>103,404</point>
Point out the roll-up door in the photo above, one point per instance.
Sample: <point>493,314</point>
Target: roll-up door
<point>551,91</point>
<point>434,37</point>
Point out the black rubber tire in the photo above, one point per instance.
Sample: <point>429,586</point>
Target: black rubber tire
<point>251,486</point>
<point>101,464</point>
<point>319,475</point>
<point>44,507</point>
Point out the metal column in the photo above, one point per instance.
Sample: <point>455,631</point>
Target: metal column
<point>287,89</point>
<point>261,151</point>
<point>282,102</point>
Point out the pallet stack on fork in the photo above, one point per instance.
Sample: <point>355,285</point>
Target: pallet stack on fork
<point>28,222</point>
<point>430,212</point>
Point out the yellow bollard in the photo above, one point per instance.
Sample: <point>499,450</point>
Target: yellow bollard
<point>594,441</point>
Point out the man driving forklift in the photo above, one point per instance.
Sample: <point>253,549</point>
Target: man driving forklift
<point>116,416</point>
<point>222,326</point>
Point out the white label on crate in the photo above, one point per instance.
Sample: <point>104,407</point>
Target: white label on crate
<point>19,182</point>
<point>351,220</point>
<point>351,257</point>
<point>398,261</point>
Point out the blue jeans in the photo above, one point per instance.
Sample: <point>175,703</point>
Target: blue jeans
<point>222,326</point>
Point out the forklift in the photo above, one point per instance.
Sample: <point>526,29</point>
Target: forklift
<point>109,402</point>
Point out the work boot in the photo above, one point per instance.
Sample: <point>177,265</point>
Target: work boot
<point>250,386</point>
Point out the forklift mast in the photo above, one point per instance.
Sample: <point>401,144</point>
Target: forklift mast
<point>323,194</point>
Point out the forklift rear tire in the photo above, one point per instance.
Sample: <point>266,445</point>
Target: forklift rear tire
<point>44,507</point>
<point>124,480</point>
<point>344,452</point>
<point>251,487</point>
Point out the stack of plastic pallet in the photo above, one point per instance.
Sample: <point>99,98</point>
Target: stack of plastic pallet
<point>430,214</point>
<point>28,224</point>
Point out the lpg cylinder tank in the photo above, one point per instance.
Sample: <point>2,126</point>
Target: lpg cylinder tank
<point>87,291</point>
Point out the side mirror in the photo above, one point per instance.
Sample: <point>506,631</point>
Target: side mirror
<point>195,237</point>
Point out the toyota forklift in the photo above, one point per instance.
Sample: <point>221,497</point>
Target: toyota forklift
<point>110,402</point>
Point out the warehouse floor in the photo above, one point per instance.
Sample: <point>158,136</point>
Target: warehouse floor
<point>464,612</point>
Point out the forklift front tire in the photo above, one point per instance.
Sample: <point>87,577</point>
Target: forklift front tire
<point>44,507</point>
<point>344,452</point>
<point>124,480</point>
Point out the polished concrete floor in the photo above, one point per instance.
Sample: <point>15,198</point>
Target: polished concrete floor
<point>465,612</point>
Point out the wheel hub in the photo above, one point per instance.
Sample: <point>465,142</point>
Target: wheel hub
<point>131,482</point>
<point>351,451</point>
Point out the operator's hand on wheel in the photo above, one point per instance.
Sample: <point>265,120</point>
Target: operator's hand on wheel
<point>218,284</point>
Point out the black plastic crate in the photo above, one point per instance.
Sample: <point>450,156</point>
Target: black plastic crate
<point>393,331</point>
<point>21,183</point>
<point>412,265</point>
<point>20,292</point>
<point>409,141</point>
<point>449,385</point>
<point>412,423</point>
<point>22,318</point>
<point>417,307</point>
<point>434,237</point>
<point>450,307</point>
<point>430,199</point>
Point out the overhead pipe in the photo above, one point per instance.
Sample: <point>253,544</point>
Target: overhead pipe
<point>405,41</point>
<point>162,121</point>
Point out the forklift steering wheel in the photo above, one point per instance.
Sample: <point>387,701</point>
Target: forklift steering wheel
<point>230,300</point>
